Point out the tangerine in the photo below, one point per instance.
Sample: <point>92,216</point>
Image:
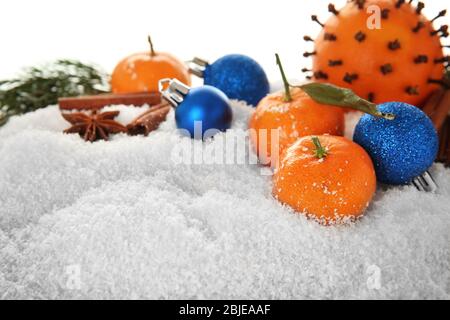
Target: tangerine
<point>294,114</point>
<point>141,72</point>
<point>329,178</point>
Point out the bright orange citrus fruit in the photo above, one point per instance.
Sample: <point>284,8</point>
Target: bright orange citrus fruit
<point>141,72</point>
<point>392,63</point>
<point>299,117</point>
<point>329,178</point>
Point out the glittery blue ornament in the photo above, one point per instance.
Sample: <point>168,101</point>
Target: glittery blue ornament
<point>198,110</point>
<point>401,149</point>
<point>238,76</point>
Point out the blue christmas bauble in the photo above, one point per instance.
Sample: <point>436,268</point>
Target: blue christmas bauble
<point>239,77</point>
<point>401,149</point>
<point>204,108</point>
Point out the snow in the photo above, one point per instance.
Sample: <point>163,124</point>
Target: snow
<point>119,219</point>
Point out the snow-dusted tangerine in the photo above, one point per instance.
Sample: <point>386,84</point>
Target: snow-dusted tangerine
<point>329,178</point>
<point>294,114</point>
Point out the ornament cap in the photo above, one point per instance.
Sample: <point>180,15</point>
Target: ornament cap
<point>173,91</point>
<point>197,66</point>
<point>425,183</point>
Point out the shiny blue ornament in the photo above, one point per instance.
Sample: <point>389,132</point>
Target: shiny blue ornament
<point>238,76</point>
<point>401,149</point>
<point>206,104</point>
<point>198,110</point>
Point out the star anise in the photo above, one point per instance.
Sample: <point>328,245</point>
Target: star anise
<point>94,126</point>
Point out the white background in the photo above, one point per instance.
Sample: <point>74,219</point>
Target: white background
<point>103,32</point>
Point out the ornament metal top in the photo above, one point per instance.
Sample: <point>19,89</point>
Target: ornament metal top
<point>173,91</point>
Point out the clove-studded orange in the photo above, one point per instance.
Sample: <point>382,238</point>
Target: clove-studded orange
<point>329,178</point>
<point>384,50</point>
<point>141,72</point>
<point>293,114</point>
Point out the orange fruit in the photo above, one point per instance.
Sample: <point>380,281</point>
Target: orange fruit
<point>403,60</point>
<point>329,178</point>
<point>293,119</point>
<point>141,72</point>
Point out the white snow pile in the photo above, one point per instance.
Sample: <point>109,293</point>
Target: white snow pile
<point>119,219</point>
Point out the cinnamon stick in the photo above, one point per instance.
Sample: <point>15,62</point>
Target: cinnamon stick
<point>438,107</point>
<point>447,160</point>
<point>443,142</point>
<point>149,120</point>
<point>432,101</point>
<point>102,100</point>
<point>444,151</point>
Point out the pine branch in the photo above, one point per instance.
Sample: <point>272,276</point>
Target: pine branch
<point>40,87</point>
